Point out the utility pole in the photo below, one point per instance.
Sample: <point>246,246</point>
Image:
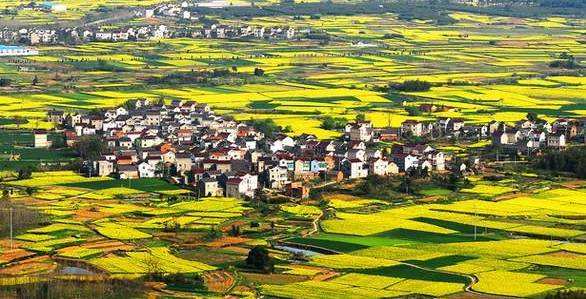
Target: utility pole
<point>10,224</point>
<point>475,215</point>
<point>11,230</point>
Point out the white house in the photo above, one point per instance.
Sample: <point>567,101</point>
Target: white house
<point>41,140</point>
<point>378,166</point>
<point>354,169</point>
<point>146,170</point>
<point>277,177</point>
<point>557,140</point>
<point>105,167</point>
<point>281,143</point>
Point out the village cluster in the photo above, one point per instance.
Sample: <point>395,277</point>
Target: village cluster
<point>40,35</point>
<point>217,156</point>
<point>525,137</point>
<point>43,35</point>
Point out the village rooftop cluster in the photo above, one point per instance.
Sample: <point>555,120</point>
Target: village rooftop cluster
<point>44,35</point>
<point>217,156</point>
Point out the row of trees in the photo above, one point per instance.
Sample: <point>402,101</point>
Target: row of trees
<point>565,61</point>
<point>333,123</point>
<point>411,85</point>
<point>268,127</point>
<point>573,161</point>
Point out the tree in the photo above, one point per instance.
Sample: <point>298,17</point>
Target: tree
<point>4,82</point>
<point>532,116</point>
<point>411,85</point>
<point>213,234</point>
<point>24,173</point>
<point>259,259</point>
<point>567,294</point>
<point>171,226</point>
<point>572,160</point>
<point>333,123</point>
<point>412,111</point>
<point>235,230</point>
<point>130,104</point>
<point>406,185</point>
<point>265,126</point>
<point>90,147</point>
<point>30,191</point>
<point>259,72</point>
<point>360,117</point>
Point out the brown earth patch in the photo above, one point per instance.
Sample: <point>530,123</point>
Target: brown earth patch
<point>36,265</point>
<point>226,242</point>
<point>14,255</point>
<point>88,214</point>
<point>5,244</point>
<point>325,276</point>
<point>574,184</point>
<point>218,281</point>
<point>553,281</point>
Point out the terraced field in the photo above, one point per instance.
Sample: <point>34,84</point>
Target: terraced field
<point>479,72</point>
<point>437,249</point>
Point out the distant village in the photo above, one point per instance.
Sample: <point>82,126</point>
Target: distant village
<point>44,35</point>
<point>217,156</point>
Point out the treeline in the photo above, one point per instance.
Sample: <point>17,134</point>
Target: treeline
<point>205,76</point>
<point>565,61</point>
<point>333,123</point>
<point>52,287</point>
<point>535,9</point>
<point>411,85</point>
<point>572,160</point>
<point>435,10</point>
<point>407,10</point>
<point>23,218</point>
<point>268,127</point>
<point>405,86</point>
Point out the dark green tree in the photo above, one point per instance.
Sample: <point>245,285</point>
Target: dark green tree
<point>90,147</point>
<point>259,259</point>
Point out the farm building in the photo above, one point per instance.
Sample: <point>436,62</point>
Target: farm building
<point>17,51</point>
<point>41,140</point>
<point>53,7</point>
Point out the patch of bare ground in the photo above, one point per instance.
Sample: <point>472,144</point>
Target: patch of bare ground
<point>89,214</point>
<point>13,255</point>
<point>218,281</point>
<point>35,265</point>
<point>553,281</point>
<point>325,275</point>
<point>226,242</point>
